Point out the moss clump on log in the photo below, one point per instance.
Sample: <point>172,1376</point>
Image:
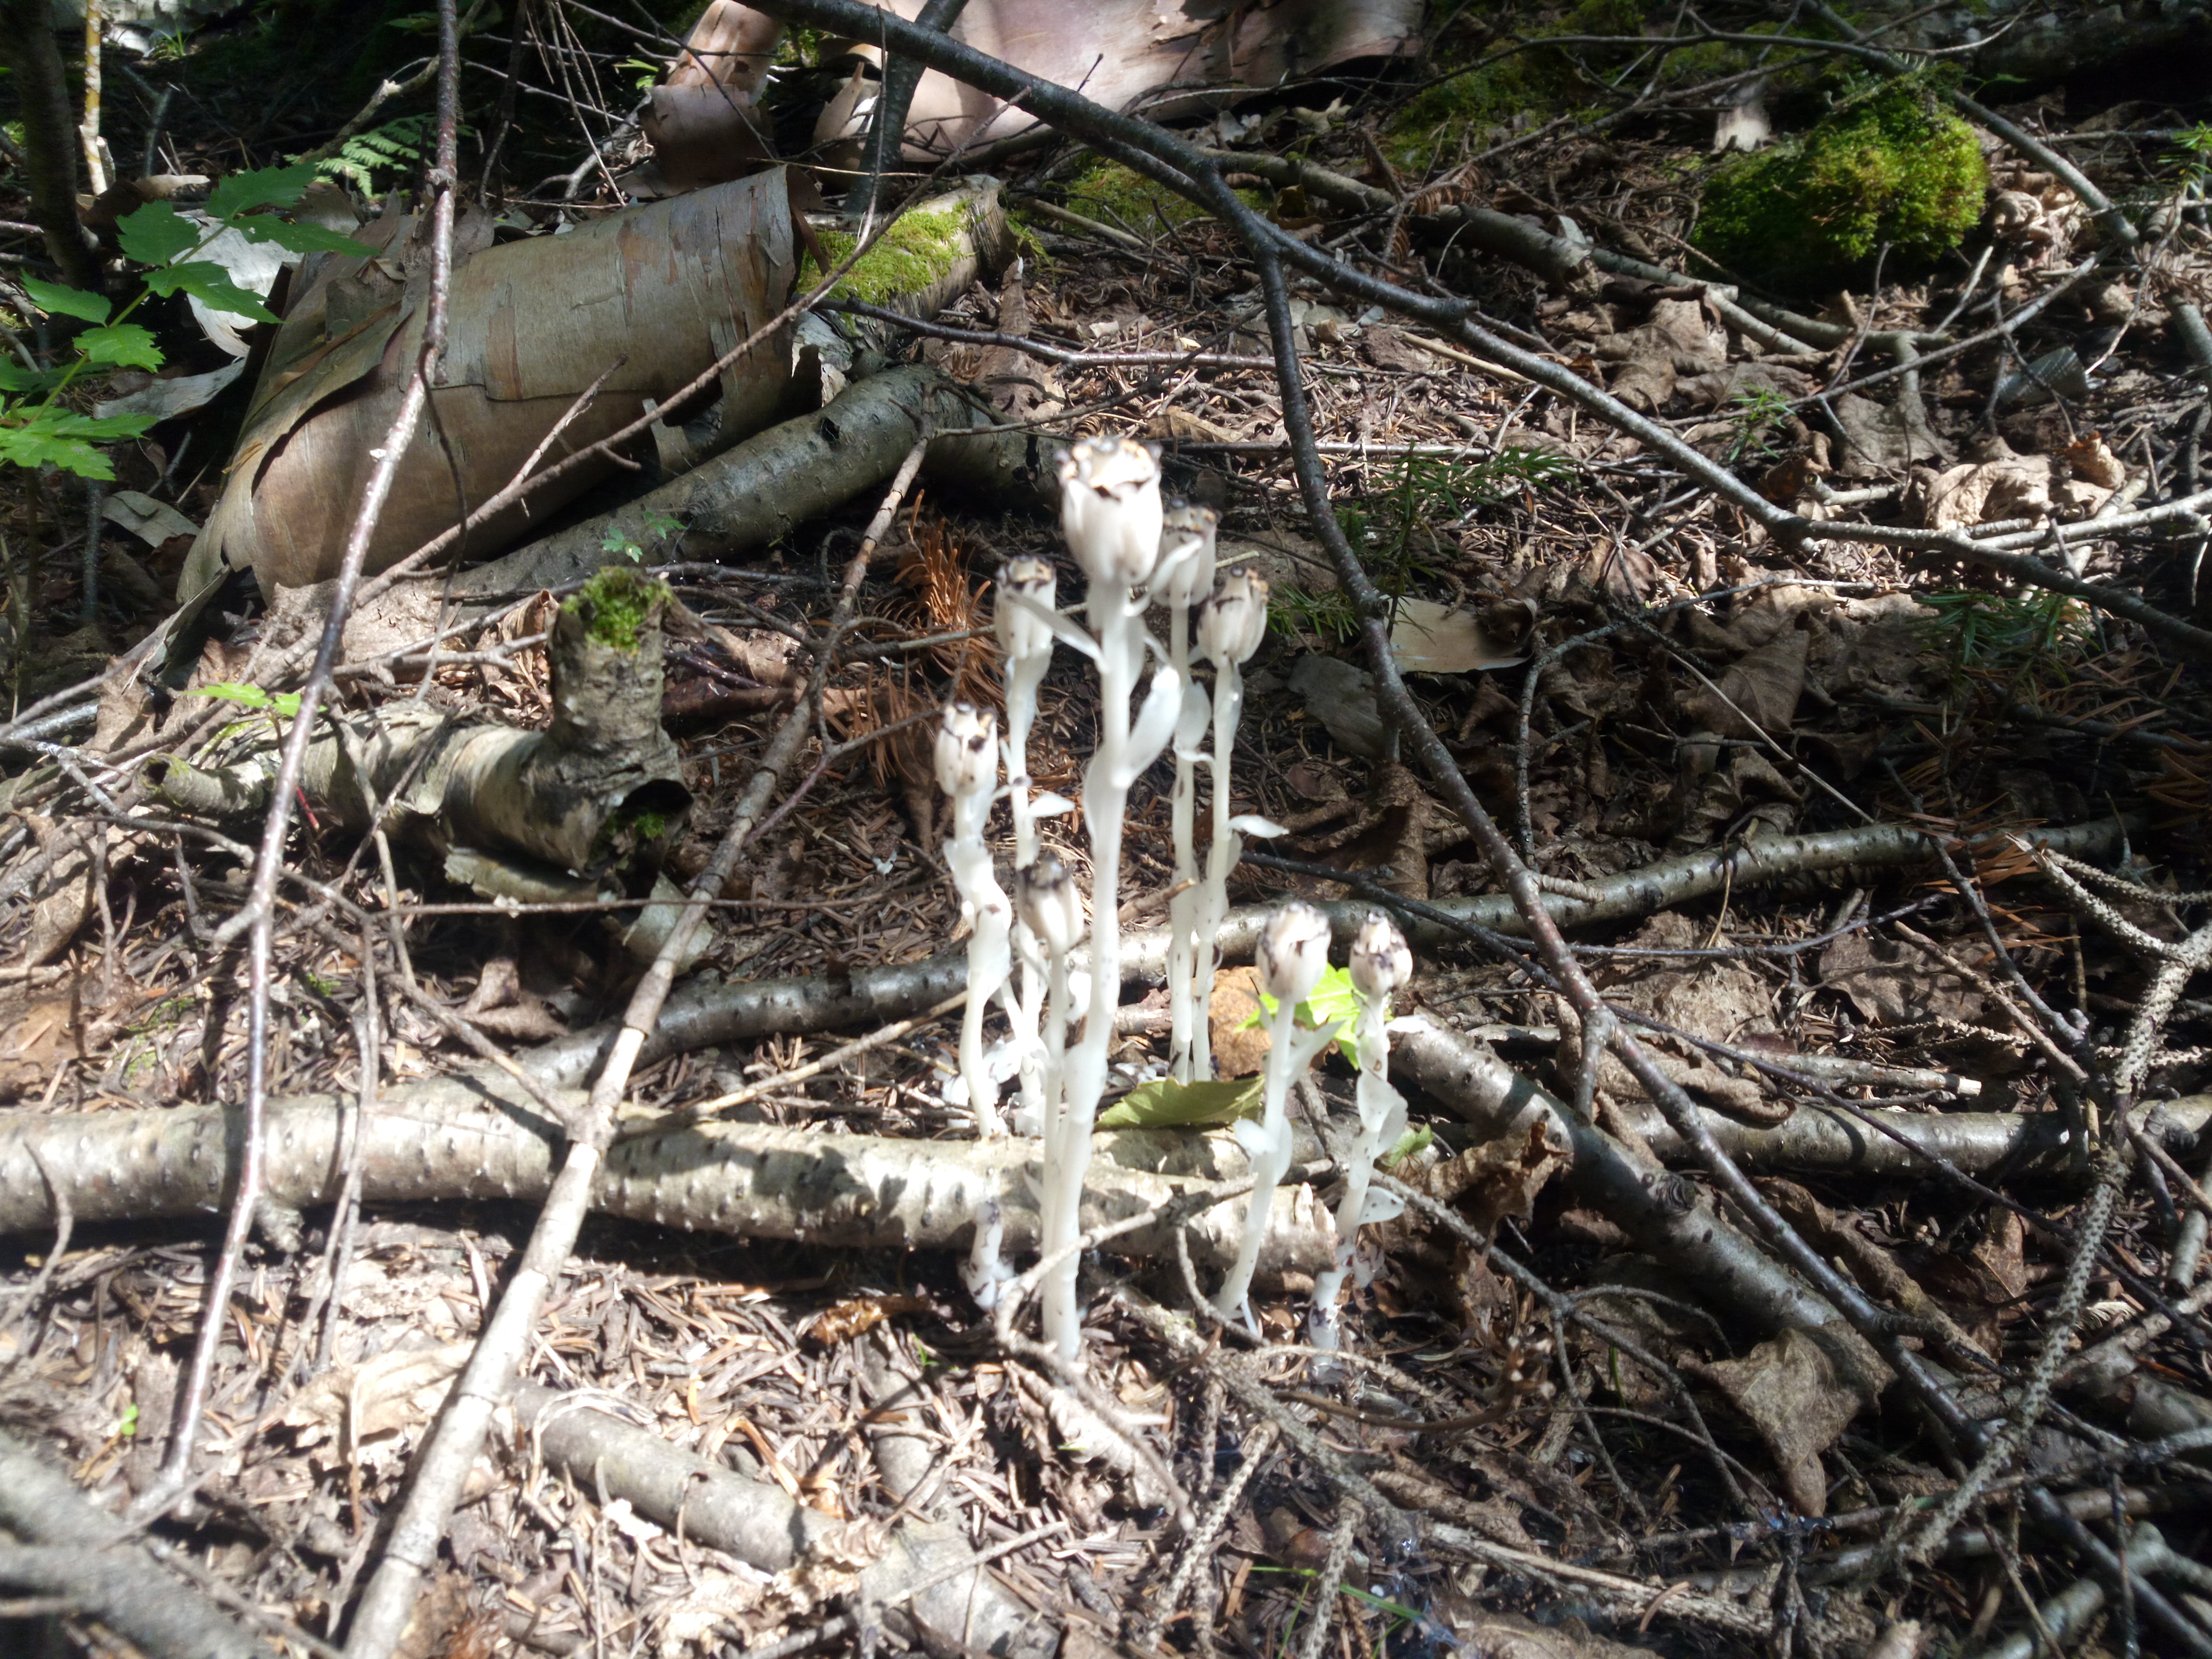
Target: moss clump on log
<point>1888,167</point>
<point>915,252</point>
<point>613,605</point>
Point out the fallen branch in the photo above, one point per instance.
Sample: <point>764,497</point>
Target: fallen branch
<point>703,1016</point>
<point>122,1589</point>
<point>708,1505</point>
<point>749,496</point>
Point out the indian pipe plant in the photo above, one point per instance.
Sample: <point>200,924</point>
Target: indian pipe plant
<point>1136,551</point>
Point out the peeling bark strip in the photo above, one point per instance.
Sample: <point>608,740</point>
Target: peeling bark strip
<point>483,1138</point>
<point>673,284</point>
<point>552,796</point>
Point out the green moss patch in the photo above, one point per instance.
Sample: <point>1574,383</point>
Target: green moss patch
<point>615,605</point>
<point>1116,196</point>
<point>1891,165</point>
<point>916,250</point>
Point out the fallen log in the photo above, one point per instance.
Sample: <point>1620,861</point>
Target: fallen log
<point>482,1137</point>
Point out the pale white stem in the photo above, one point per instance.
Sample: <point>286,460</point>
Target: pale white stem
<point>1183,906</point>
<point>1380,964</point>
<point>1104,801</point>
<point>1269,1144</point>
<point>1221,857</point>
<point>1025,674</point>
<point>989,958</point>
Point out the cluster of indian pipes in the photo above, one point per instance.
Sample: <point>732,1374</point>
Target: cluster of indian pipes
<point>1136,552</point>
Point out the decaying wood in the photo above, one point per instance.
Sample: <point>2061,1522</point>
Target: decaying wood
<point>701,1016</point>
<point>481,794</point>
<point>648,297</point>
<point>743,500</point>
<point>78,1552</point>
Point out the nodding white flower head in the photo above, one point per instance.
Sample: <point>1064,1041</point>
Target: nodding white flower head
<point>1110,509</point>
<point>1022,633</point>
<point>1045,896</point>
<point>1293,951</point>
<point>967,750</point>
<point>1381,963</point>
<point>1234,620</point>
<point>1186,571</point>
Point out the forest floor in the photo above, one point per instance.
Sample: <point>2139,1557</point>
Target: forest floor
<point>1696,686</point>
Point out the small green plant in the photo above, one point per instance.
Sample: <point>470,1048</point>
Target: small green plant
<point>659,525</point>
<point>1389,528</point>
<point>285,705</point>
<point>644,76</point>
<point>395,148</point>
<point>2015,634</point>
<point>1754,413</point>
<point>38,426</point>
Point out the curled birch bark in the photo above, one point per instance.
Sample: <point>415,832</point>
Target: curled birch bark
<point>482,1137</point>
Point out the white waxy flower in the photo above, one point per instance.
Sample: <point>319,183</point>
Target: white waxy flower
<point>1234,620</point>
<point>1293,952</point>
<point>967,750</point>
<point>1381,963</point>
<point>1022,632</point>
<point>1045,895</point>
<point>1110,509</point>
<point>1186,570</point>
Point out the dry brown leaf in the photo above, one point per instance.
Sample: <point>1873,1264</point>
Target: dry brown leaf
<point>1237,1052</point>
<point>1394,824</point>
<point>1892,982</point>
<point>1429,638</point>
<point>1392,348</point>
<point>1800,1395</point>
<point>1758,694</point>
<point>1498,1180</point>
<point>1881,438</point>
<point>1718,1001</point>
<point>370,1411</point>
<point>37,1034</point>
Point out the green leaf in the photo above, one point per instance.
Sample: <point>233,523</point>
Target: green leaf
<point>1334,1002</point>
<point>95,428</point>
<point>58,301</point>
<point>124,344</point>
<point>263,187</point>
<point>298,237</point>
<point>14,377</point>
<point>1409,1143</point>
<point>36,447</point>
<point>286,703</point>
<point>1167,1104</point>
<point>156,234</point>
<point>210,284</point>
